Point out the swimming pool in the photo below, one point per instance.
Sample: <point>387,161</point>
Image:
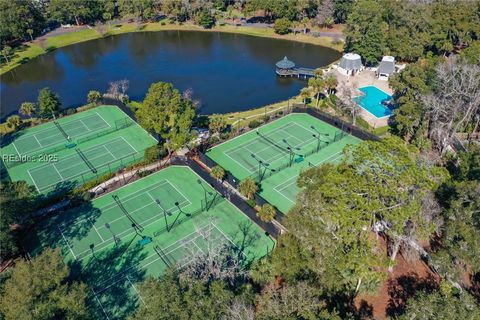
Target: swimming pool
<point>373,101</point>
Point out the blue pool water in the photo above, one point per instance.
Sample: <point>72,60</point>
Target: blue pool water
<point>372,101</point>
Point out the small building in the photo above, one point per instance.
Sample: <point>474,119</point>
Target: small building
<point>350,64</point>
<point>386,67</point>
<point>285,67</point>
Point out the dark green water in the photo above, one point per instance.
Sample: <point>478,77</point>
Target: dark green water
<point>227,72</point>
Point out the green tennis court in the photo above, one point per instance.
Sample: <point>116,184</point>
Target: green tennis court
<point>274,154</point>
<point>69,167</point>
<point>53,134</point>
<point>75,149</point>
<point>158,222</point>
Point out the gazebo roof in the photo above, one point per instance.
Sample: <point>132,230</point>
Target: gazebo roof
<point>285,64</point>
<point>351,61</point>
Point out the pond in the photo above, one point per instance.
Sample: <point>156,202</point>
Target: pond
<point>226,72</point>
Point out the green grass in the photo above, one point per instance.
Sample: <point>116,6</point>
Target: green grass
<point>112,269</point>
<point>43,157</point>
<point>279,187</point>
<point>31,50</point>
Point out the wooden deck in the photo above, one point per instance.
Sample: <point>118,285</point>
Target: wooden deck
<point>304,73</point>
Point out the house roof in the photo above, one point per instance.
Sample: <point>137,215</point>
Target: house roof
<point>351,61</point>
<point>387,65</point>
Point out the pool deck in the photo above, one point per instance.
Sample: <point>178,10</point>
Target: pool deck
<point>363,79</point>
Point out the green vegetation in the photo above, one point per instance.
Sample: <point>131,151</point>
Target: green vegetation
<point>48,102</point>
<point>165,112</point>
<point>41,289</point>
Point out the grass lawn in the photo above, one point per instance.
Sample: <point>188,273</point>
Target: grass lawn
<point>32,50</point>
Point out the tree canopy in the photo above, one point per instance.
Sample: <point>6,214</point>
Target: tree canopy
<point>167,113</point>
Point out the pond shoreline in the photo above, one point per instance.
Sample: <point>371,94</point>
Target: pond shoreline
<point>47,43</point>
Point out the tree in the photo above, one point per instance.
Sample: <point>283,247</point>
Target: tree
<point>217,123</point>
<point>325,13</point>
<point>305,94</point>
<point>165,112</point>
<point>17,203</point>
<point>6,52</point>
<point>409,120</point>
<point>441,304</point>
<point>217,172</point>
<point>248,187</point>
<point>94,96</point>
<point>318,85</point>
<point>384,186</point>
<point>17,17</point>
<point>365,31</point>
<point>171,298</point>
<point>331,82</point>
<point>14,122</point>
<point>297,301</point>
<point>30,33</point>
<point>282,26</point>
<point>132,9</point>
<point>347,104</point>
<point>454,103</point>
<point>40,290</point>
<point>459,234</point>
<point>27,108</point>
<point>205,19</point>
<point>48,102</point>
<point>75,11</point>
<point>266,213</point>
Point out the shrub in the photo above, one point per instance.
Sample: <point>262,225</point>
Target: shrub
<point>282,26</point>
<point>154,153</point>
<point>266,213</point>
<point>248,187</point>
<point>205,19</point>
<point>217,172</point>
<point>254,124</point>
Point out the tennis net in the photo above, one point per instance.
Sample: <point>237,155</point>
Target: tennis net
<point>163,256</point>
<point>120,205</point>
<point>61,130</point>
<point>270,141</point>
<point>87,162</point>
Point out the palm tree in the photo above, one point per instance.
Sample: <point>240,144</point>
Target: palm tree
<point>318,85</point>
<point>217,173</point>
<point>305,93</point>
<point>94,96</point>
<point>331,82</point>
<point>27,108</point>
<point>248,187</point>
<point>6,52</point>
<point>318,72</point>
<point>13,122</point>
<point>30,33</point>
<point>266,213</point>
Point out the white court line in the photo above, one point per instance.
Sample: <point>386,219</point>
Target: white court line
<point>33,180</point>
<point>95,228</point>
<point>189,203</point>
<point>110,152</point>
<point>35,136</point>
<point>158,216</point>
<point>16,150</point>
<point>84,125</point>
<point>228,238</point>
<point>61,177</point>
<point>100,303</point>
<point>68,245</point>
<point>129,144</point>
<point>136,291</point>
<point>103,119</point>
<point>181,244</point>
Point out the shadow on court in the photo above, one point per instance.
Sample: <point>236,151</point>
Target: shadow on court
<point>111,274</point>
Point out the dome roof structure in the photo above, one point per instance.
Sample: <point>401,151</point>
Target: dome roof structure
<point>285,64</point>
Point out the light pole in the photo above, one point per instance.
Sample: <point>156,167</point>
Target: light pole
<point>205,192</point>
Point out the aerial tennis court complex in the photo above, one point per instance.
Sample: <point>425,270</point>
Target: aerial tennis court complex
<point>75,149</point>
<point>158,222</point>
<point>275,154</point>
